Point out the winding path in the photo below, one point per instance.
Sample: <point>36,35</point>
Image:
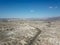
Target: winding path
<point>34,38</point>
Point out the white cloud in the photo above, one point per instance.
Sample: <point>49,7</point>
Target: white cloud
<point>50,7</point>
<point>32,11</point>
<point>53,7</point>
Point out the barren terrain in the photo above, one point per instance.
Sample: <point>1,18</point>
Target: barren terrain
<point>30,33</point>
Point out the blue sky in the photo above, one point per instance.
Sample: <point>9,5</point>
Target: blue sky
<point>29,8</point>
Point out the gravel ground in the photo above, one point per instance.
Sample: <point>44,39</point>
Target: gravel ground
<point>30,33</point>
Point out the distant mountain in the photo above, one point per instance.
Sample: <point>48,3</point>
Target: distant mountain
<point>53,19</point>
<point>45,19</point>
<point>4,19</point>
<point>30,19</point>
<point>8,19</point>
<point>11,19</point>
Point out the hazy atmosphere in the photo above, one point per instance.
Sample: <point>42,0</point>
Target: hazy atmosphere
<point>29,22</point>
<point>29,8</point>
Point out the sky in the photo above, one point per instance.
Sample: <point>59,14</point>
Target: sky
<point>29,8</point>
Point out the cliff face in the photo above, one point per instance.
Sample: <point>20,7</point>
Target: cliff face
<point>30,33</point>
